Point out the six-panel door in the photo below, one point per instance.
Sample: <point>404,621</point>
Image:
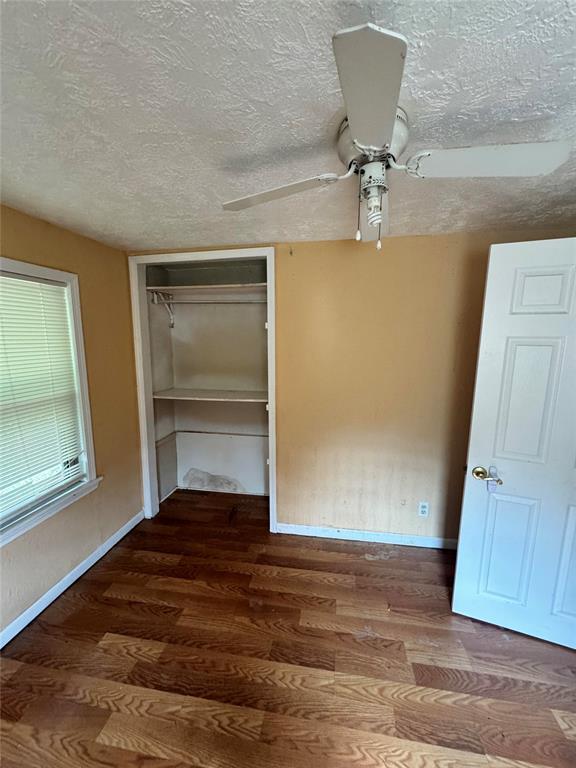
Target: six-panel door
<point>517,548</point>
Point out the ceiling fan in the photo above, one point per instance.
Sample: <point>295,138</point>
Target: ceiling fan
<point>373,136</point>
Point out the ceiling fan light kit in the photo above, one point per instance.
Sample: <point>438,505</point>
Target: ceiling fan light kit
<point>374,135</point>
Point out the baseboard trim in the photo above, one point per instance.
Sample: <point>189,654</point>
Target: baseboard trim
<point>432,542</point>
<point>48,597</point>
<point>176,488</point>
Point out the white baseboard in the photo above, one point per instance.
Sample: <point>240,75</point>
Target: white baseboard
<point>43,602</point>
<point>176,488</point>
<point>432,542</point>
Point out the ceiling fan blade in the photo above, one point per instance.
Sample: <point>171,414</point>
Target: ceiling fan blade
<point>371,233</point>
<point>370,63</point>
<point>496,160</point>
<point>278,192</point>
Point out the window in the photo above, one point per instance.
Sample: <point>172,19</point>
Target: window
<point>46,453</point>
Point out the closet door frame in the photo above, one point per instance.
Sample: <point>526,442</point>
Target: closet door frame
<point>137,269</point>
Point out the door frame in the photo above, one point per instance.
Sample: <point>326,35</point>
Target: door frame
<point>137,271</point>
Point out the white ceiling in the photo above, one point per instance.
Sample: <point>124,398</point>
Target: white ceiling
<point>131,121</point>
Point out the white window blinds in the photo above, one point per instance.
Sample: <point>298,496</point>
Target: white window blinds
<point>42,450</point>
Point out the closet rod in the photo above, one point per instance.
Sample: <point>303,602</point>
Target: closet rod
<point>212,301</point>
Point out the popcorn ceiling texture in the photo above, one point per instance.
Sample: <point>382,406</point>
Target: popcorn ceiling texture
<point>131,121</point>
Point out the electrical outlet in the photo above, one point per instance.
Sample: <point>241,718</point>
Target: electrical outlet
<point>423,509</point>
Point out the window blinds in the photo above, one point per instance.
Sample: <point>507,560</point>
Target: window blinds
<point>41,445</point>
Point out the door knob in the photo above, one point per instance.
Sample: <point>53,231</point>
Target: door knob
<point>481,473</point>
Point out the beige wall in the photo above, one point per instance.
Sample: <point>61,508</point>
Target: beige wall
<point>376,356</point>
<point>34,562</point>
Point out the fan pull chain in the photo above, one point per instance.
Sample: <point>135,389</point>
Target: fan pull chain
<point>358,233</point>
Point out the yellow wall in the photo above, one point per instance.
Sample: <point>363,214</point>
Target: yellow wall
<point>37,560</point>
<point>376,356</point>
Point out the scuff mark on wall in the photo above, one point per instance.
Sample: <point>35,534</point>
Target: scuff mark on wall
<point>200,480</point>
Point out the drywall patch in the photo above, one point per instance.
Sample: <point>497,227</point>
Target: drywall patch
<point>200,480</point>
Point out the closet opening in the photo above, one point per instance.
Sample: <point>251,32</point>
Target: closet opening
<point>204,338</point>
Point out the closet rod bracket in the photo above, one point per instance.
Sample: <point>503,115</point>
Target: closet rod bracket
<point>166,299</point>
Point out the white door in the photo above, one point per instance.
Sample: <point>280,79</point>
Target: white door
<point>517,548</point>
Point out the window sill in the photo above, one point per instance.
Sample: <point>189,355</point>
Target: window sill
<point>47,510</point>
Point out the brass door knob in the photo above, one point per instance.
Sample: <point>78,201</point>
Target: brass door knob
<point>481,473</point>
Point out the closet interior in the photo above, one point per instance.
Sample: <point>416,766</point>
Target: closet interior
<point>209,365</point>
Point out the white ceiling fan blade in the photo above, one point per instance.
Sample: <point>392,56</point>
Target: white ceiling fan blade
<point>278,192</point>
<point>497,160</point>
<point>370,63</point>
<point>371,233</point>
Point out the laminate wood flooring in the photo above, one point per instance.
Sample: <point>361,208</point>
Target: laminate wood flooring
<point>204,641</point>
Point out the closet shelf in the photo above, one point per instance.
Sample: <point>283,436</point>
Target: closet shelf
<point>203,290</point>
<point>214,395</point>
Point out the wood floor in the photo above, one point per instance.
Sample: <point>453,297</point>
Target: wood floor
<point>202,640</point>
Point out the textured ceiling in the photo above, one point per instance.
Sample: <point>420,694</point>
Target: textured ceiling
<point>131,121</point>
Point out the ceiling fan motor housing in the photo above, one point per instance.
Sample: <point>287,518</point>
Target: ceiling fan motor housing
<point>373,175</point>
<point>349,152</point>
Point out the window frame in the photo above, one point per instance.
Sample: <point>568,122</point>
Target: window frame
<point>54,504</point>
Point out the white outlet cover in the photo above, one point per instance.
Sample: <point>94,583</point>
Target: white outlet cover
<point>423,509</point>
